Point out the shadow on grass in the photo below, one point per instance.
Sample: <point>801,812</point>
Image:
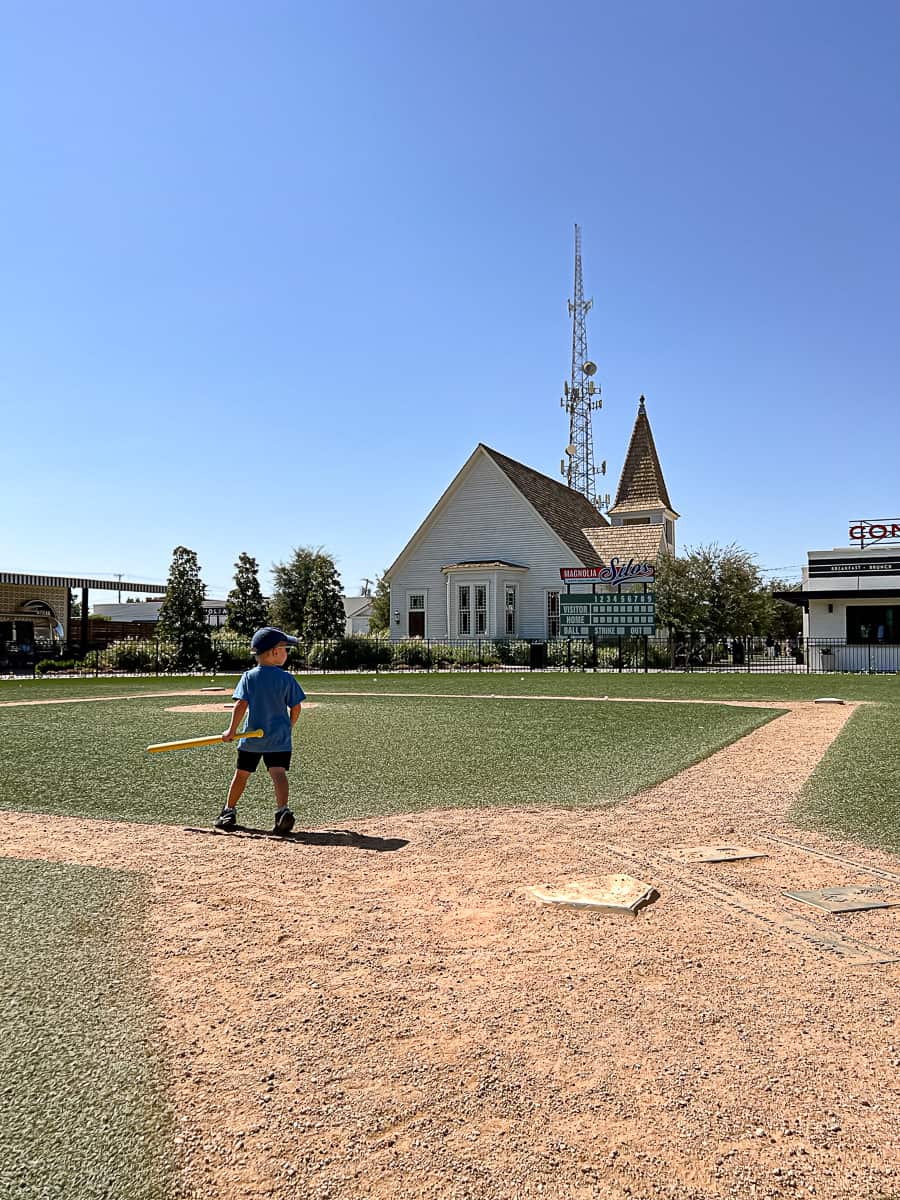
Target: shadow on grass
<point>326,837</point>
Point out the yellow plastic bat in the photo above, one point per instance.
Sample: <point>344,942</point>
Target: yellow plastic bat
<point>204,741</point>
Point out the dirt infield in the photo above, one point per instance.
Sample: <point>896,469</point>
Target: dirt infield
<point>346,1021</point>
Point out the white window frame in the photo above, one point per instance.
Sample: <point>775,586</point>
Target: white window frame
<point>552,617</point>
<point>410,608</point>
<point>480,611</point>
<point>511,610</point>
<point>463,610</point>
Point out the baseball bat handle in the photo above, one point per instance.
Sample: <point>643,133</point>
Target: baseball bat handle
<point>204,741</point>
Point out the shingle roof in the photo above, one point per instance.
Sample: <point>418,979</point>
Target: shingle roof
<point>355,606</point>
<point>567,512</point>
<point>641,485</point>
<point>643,543</point>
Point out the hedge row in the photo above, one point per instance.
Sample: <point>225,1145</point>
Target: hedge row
<point>228,655</point>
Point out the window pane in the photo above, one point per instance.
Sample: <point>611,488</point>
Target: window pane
<point>871,623</point>
<point>553,614</point>
<point>463,624</point>
<point>417,601</point>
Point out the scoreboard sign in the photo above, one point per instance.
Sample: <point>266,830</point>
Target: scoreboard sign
<point>583,615</point>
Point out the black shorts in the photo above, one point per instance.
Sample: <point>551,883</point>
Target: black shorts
<point>248,760</point>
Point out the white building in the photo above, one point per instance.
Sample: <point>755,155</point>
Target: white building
<point>357,615</point>
<point>485,562</point>
<point>148,610</point>
<point>851,597</point>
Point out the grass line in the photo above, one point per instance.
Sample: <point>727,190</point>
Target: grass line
<point>81,1097</point>
<point>855,790</point>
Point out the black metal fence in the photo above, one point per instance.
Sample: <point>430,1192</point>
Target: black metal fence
<point>691,652</point>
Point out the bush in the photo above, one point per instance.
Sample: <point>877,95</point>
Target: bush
<point>514,654</point>
<point>411,655</point>
<point>131,655</point>
<point>53,666</point>
<point>348,654</point>
<point>230,652</point>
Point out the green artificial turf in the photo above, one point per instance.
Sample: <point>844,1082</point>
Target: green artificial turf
<point>81,1108</point>
<point>855,790</point>
<point>661,685</point>
<point>356,756</point>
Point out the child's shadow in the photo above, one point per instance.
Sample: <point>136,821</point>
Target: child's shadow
<point>347,837</point>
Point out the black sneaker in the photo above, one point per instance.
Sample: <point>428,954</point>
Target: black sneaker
<point>284,820</point>
<point>227,819</point>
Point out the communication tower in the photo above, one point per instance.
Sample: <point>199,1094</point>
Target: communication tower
<point>581,396</point>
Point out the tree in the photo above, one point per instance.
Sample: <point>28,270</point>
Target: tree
<point>380,621</point>
<point>785,620</point>
<point>307,599</point>
<point>182,617</point>
<point>246,610</point>
<point>711,590</point>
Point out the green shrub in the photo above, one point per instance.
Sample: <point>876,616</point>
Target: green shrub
<point>230,652</point>
<point>414,654</point>
<point>130,654</point>
<point>514,653</point>
<point>53,666</point>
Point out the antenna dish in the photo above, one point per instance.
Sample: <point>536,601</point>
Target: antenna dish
<point>590,368</point>
<point>571,449</point>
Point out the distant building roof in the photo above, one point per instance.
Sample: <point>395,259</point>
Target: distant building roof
<point>357,606</point>
<point>640,542</point>
<point>76,581</point>
<point>641,485</point>
<point>567,512</point>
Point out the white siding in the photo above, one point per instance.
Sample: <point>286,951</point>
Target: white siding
<point>482,518</point>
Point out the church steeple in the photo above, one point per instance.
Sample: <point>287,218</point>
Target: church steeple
<point>642,497</point>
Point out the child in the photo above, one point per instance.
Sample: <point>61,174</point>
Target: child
<point>273,698</point>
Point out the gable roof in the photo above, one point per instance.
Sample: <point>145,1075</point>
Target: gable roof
<point>357,606</point>
<point>567,512</point>
<point>641,485</point>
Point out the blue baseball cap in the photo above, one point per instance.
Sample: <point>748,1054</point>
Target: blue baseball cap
<point>269,637</point>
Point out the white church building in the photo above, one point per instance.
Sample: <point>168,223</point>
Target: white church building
<point>486,561</point>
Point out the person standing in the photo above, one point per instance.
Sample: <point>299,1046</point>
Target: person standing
<point>271,699</point>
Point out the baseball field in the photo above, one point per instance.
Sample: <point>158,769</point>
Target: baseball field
<point>379,1007</point>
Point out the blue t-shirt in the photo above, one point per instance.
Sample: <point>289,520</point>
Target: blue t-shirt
<point>271,693</point>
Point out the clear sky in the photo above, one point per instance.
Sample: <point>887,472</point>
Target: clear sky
<point>271,271</point>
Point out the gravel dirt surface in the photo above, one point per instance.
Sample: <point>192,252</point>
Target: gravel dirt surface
<point>345,1020</point>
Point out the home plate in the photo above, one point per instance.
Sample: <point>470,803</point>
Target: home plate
<point>714,853</point>
<point>608,893</point>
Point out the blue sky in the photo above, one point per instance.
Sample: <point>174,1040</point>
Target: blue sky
<point>271,272</point>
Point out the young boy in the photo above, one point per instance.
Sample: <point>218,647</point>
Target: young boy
<point>272,697</point>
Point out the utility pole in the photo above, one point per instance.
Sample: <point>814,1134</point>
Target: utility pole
<point>119,593</point>
<point>581,396</point>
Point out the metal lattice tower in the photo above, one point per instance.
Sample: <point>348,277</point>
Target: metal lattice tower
<point>581,397</point>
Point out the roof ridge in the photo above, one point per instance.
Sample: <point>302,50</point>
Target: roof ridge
<point>567,511</point>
